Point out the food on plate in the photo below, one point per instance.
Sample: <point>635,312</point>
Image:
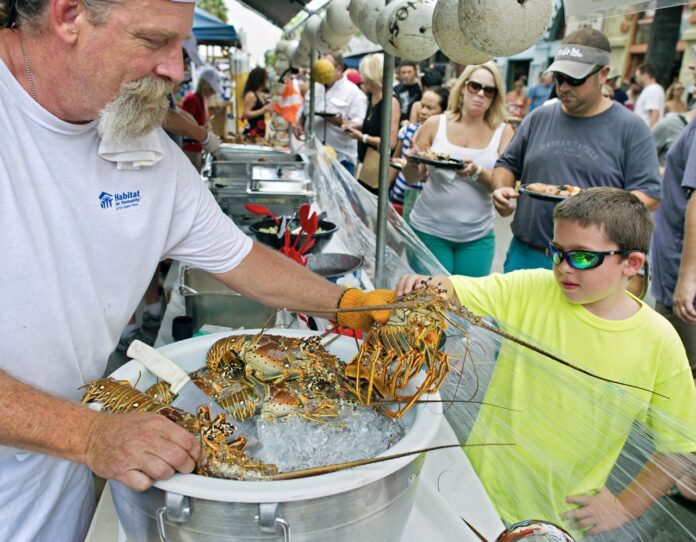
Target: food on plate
<point>433,155</point>
<point>562,190</point>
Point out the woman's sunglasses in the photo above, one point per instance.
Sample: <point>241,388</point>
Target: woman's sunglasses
<point>561,78</point>
<point>474,88</point>
<point>582,259</point>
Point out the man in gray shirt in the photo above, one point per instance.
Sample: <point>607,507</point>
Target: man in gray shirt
<point>584,140</point>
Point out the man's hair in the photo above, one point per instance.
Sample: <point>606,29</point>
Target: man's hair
<point>338,60</point>
<point>648,69</point>
<point>622,217</point>
<point>30,13</point>
<point>407,63</point>
<point>589,37</point>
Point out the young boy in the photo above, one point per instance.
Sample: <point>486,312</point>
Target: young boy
<point>569,428</point>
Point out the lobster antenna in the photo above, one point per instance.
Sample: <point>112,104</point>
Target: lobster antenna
<point>480,322</point>
<point>421,401</point>
<point>316,471</point>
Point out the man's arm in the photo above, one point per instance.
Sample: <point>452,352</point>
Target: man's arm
<point>654,117</point>
<point>650,202</point>
<point>685,290</point>
<point>182,123</point>
<point>503,192</point>
<point>135,448</point>
<point>270,278</point>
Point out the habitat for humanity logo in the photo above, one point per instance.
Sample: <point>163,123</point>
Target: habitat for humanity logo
<point>122,200</point>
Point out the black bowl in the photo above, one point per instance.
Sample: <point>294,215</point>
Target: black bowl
<point>271,239</point>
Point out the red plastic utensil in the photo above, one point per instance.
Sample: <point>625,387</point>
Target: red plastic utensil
<point>306,246</point>
<point>261,210</point>
<point>311,228</point>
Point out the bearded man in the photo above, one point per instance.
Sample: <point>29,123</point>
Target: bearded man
<point>92,196</point>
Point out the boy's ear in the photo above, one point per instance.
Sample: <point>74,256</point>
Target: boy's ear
<point>634,263</point>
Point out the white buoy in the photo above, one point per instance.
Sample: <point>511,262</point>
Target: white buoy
<point>367,20</point>
<point>504,27</point>
<point>310,30</point>
<point>451,39</point>
<point>338,18</point>
<point>408,32</point>
<point>327,40</point>
<point>354,11</point>
<point>382,30</point>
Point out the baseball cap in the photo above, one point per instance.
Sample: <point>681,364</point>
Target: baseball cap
<point>210,76</point>
<point>354,77</point>
<point>578,61</point>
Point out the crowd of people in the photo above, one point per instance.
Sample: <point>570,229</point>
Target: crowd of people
<point>76,267</point>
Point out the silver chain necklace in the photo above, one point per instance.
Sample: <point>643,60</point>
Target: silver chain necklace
<point>27,69</point>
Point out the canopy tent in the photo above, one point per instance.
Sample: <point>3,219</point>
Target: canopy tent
<point>209,30</point>
<point>279,12</point>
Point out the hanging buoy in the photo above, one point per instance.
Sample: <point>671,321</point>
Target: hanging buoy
<point>408,32</point>
<point>367,20</point>
<point>354,12</point>
<point>504,27</point>
<point>451,39</point>
<point>338,18</point>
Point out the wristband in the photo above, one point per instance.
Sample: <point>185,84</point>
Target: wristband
<point>475,176</point>
<point>364,139</point>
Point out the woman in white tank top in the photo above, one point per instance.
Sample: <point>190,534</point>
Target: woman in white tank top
<point>454,214</point>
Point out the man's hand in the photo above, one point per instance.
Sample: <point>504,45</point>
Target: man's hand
<point>502,199</point>
<point>298,130</point>
<point>363,320</point>
<point>211,143</point>
<point>408,283</point>
<point>683,300</point>
<point>138,448</point>
<point>599,513</point>
<point>336,121</point>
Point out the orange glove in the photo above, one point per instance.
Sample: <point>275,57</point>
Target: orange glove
<point>363,320</point>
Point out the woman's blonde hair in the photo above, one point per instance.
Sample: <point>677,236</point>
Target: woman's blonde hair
<point>496,113</point>
<point>372,69</point>
<point>669,95</point>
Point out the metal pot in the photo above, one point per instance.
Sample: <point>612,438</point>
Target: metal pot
<point>334,266</point>
<point>370,503</point>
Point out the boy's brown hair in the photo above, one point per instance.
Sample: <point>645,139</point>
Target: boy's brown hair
<point>622,217</point>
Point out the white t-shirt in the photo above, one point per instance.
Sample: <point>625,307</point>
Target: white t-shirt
<point>343,97</point>
<point>651,99</point>
<point>81,240</point>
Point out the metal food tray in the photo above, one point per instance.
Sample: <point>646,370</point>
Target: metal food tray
<point>208,301</point>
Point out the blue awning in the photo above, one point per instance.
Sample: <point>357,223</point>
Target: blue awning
<point>209,30</point>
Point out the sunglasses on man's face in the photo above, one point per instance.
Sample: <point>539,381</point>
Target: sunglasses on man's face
<point>582,259</point>
<point>561,78</point>
<point>474,88</point>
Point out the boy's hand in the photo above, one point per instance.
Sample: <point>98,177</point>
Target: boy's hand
<point>502,199</point>
<point>599,513</point>
<point>408,283</point>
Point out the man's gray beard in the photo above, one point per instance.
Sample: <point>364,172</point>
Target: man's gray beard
<point>139,108</point>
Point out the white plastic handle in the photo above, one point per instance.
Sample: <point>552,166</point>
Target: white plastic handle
<point>159,365</point>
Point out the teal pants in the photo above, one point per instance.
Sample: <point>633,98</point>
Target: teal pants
<point>521,256</point>
<point>472,259</point>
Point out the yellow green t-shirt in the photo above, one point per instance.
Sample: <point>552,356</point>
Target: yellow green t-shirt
<point>570,428</point>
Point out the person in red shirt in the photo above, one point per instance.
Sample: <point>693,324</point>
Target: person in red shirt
<point>196,103</point>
